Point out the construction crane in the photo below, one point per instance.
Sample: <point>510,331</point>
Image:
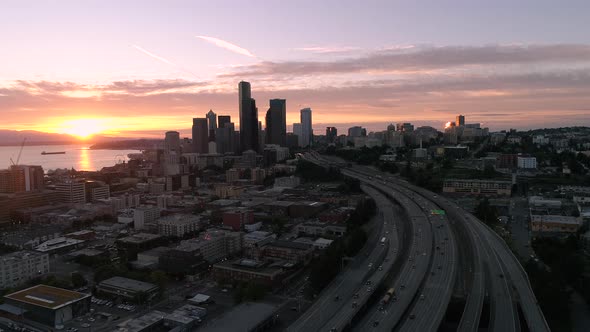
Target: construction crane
<point>19,153</point>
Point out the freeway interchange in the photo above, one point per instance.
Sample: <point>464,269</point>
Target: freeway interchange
<point>430,250</point>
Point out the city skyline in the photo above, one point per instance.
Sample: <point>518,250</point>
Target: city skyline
<point>386,62</point>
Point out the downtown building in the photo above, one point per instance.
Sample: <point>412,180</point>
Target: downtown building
<point>19,178</point>
<point>19,267</point>
<point>276,122</point>
<point>200,133</point>
<point>306,128</point>
<point>249,126</point>
<point>71,192</point>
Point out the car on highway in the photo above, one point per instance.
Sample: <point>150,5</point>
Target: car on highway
<point>412,316</point>
<point>337,298</point>
<point>355,296</point>
<point>376,323</point>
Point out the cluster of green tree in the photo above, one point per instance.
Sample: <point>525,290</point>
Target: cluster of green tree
<point>428,177</point>
<point>552,294</point>
<point>364,211</point>
<point>350,185</point>
<point>566,261</point>
<point>7,249</point>
<point>312,172</point>
<point>327,266</point>
<point>388,167</point>
<point>363,156</point>
<point>486,212</point>
<point>249,291</point>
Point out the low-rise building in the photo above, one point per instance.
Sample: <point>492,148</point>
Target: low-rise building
<point>237,218</point>
<point>322,243</point>
<point>59,245</point>
<point>555,224</point>
<point>315,228</point>
<point>178,225</point>
<point>130,246</point>
<point>526,162</point>
<point>477,187</point>
<point>248,270</point>
<point>19,267</point>
<point>214,245</point>
<point>145,214</point>
<point>127,289</point>
<point>246,317</point>
<point>49,305</point>
<point>288,250</point>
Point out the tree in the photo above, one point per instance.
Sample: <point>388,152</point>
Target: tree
<point>486,212</point>
<point>78,280</point>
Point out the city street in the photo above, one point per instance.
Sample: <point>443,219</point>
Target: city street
<point>519,225</point>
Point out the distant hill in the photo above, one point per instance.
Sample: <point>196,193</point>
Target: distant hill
<point>16,137</point>
<point>130,144</point>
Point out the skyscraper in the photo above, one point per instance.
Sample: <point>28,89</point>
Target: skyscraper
<point>306,128</point>
<point>222,120</point>
<point>172,141</point>
<point>460,120</point>
<point>200,135</point>
<point>276,122</point>
<point>212,121</point>
<point>331,134</point>
<point>297,132</point>
<point>248,118</point>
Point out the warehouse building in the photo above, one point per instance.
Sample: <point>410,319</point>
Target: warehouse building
<point>49,305</point>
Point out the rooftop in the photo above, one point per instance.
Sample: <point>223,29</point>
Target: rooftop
<point>141,323</point>
<point>290,245</point>
<point>555,219</point>
<point>47,296</point>
<point>139,238</point>
<point>60,242</point>
<point>244,317</point>
<point>131,284</point>
<point>20,255</point>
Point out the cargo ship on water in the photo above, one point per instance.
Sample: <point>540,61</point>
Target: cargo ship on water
<point>56,152</point>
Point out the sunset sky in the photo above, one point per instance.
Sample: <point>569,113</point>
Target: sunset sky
<point>139,68</point>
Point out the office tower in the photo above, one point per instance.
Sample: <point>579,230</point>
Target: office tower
<point>460,120</point>
<point>200,135</point>
<point>21,178</point>
<point>71,192</point>
<point>222,120</point>
<point>306,128</point>
<point>356,131</point>
<point>172,141</point>
<point>331,134</point>
<point>248,119</point>
<point>212,121</point>
<point>297,132</point>
<point>224,137</point>
<point>405,127</point>
<point>276,122</point>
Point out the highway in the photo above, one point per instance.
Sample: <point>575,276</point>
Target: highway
<point>352,306</point>
<point>425,282</point>
<point>345,285</point>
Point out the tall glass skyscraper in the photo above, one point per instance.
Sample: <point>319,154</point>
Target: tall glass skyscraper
<point>248,119</point>
<point>276,122</point>
<point>306,128</point>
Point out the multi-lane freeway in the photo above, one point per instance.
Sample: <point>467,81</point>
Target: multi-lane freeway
<point>437,248</point>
